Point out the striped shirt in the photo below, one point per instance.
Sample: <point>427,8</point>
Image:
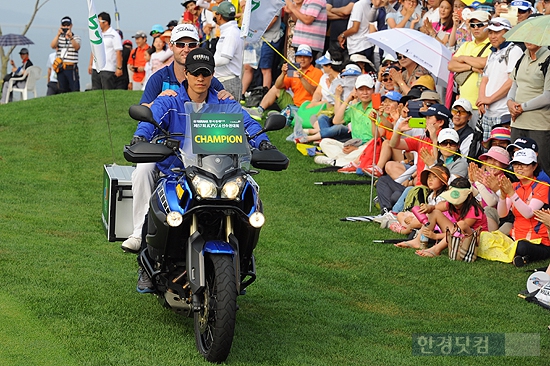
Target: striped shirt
<point>314,34</point>
<point>65,49</point>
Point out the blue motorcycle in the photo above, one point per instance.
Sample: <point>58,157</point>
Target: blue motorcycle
<point>204,220</point>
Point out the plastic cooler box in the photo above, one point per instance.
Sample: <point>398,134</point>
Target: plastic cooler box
<point>117,201</point>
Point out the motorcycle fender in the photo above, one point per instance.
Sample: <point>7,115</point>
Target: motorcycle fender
<point>195,262</point>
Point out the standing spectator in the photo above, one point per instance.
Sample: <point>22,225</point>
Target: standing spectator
<point>496,82</point>
<point>136,62</point>
<point>16,72</point>
<point>460,32</point>
<point>311,23</point>
<point>441,30</point>
<point>67,45</point>
<point>52,76</point>
<point>525,9</point>
<point>338,13</point>
<point>529,99</point>
<point>357,30</point>
<point>432,14</point>
<point>171,24</point>
<point>123,82</point>
<point>407,17</point>
<point>229,49</point>
<point>472,56</point>
<point>106,77</point>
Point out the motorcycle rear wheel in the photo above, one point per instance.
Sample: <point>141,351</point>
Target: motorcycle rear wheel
<point>215,322</point>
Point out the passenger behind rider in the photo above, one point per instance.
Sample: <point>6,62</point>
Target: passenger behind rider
<point>169,112</point>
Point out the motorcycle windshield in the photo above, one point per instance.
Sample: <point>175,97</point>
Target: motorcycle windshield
<point>215,139</point>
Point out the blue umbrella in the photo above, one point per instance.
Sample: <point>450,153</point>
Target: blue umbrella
<point>14,40</point>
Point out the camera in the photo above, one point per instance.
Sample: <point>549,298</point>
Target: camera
<point>414,108</point>
<point>64,30</point>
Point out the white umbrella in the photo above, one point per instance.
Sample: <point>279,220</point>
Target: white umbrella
<point>419,47</point>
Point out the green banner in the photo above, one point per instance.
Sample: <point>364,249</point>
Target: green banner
<point>218,133</point>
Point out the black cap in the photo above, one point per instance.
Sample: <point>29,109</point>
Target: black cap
<point>172,23</point>
<point>523,143</point>
<point>200,58</point>
<point>414,93</point>
<point>387,70</point>
<point>66,21</point>
<point>438,110</point>
<point>24,51</point>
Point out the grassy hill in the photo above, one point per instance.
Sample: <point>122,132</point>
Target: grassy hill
<point>325,294</point>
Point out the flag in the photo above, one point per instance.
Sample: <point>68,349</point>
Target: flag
<point>96,39</point>
<point>257,16</point>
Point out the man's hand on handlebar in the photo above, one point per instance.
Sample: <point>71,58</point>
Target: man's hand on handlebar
<point>137,139</point>
<point>266,145</point>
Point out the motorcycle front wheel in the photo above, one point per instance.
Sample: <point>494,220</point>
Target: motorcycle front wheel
<point>215,322</point>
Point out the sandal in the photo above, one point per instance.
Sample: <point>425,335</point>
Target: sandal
<point>407,244</point>
<point>426,253</point>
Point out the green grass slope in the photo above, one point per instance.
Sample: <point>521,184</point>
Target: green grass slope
<point>325,294</point>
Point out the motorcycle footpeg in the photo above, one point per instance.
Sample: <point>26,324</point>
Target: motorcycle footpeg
<point>196,303</point>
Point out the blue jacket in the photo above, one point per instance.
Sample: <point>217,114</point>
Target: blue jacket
<point>169,112</point>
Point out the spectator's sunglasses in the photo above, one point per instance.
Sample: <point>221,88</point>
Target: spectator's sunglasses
<point>154,32</point>
<point>183,44</point>
<point>401,57</point>
<point>521,11</point>
<point>457,112</point>
<point>448,143</point>
<point>204,72</point>
<point>428,104</point>
<point>477,25</point>
<point>498,24</point>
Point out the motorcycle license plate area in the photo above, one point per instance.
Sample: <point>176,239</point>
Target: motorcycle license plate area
<point>218,134</point>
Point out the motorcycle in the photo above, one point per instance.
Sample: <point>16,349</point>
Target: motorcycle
<point>204,220</point>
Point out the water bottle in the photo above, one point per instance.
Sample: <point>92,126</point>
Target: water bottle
<point>424,240</point>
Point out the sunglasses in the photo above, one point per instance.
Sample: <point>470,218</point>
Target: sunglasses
<point>523,11</point>
<point>401,57</point>
<point>66,24</point>
<point>204,72</point>
<point>154,32</point>
<point>448,143</point>
<point>456,112</point>
<point>183,44</point>
<point>498,24</point>
<point>428,104</point>
<point>477,25</point>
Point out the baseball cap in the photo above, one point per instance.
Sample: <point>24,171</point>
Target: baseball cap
<point>388,57</point>
<point>498,153</point>
<point>438,110</point>
<point>304,50</point>
<point>200,58</point>
<point>523,143</point>
<point>447,134</point>
<point>351,70</point>
<point>387,70</point>
<point>184,4</point>
<point>358,58</point>
<point>414,93</point>
<point>524,156</point>
<point>172,23</point>
<point>326,59</point>
<point>66,21</point>
<point>364,80</point>
<point>498,133</point>
<point>127,41</point>
<point>24,51</point>
<point>225,9</point>
<point>157,28</point>
<point>430,95</point>
<point>480,15</point>
<point>140,34</point>
<point>505,119</point>
<point>393,95</point>
<point>522,5</point>
<point>184,30</point>
<point>498,24</point>
<point>464,103</point>
<point>439,171</point>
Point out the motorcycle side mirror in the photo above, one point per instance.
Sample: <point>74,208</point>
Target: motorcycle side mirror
<point>144,114</point>
<point>274,122</point>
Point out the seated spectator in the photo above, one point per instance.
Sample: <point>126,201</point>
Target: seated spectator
<point>500,136</point>
<point>302,84</point>
<point>524,198</point>
<point>411,71</point>
<point>462,112</point>
<point>527,143</point>
<point>363,62</point>
<point>463,210</point>
<point>385,82</point>
<point>16,72</point>
<point>407,17</point>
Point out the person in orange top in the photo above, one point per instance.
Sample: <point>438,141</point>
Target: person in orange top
<point>302,83</point>
<point>524,198</point>
<point>137,61</point>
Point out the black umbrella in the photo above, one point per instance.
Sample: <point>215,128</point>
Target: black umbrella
<point>14,40</point>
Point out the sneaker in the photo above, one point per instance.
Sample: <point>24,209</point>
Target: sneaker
<point>254,112</point>
<point>348,169</point>
<point>324,160</point>
<point>373,171</point>
<point>131,245</point>
<point>520,261</point>
<point>383,213</point>
<point>271,112</point>
<point>144,283</point>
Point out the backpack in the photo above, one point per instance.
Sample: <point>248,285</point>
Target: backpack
<point>543,66</point>
<point>255,96</point>
<point>416,196</point>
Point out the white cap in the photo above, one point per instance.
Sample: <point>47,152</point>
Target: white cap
<point>388,57</point>
<point>184,30</point>
<point>480,15</point>
<point>498,24</point>
<point>304,50</point>
<point>364,80</point>
<point>351,70</point>
<point>464,103</point>
<point>524,156</point>
<point>358,58</point>
<point>447,134</point>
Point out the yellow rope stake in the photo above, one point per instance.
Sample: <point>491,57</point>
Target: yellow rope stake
<point>313,82</point>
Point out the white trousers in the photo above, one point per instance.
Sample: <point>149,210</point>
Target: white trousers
<point>334,150</point>
<point>143,181</point>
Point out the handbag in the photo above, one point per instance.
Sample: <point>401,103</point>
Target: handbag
<point>57,64</point>
<point>461,77</point>
<point>462,247</point>
<point>7,77</point>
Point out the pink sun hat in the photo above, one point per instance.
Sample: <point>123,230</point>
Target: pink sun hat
<point>498,153</point>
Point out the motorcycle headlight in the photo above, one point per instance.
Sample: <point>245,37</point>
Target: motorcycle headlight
<point>174,219</point>
<point>205,187</point>
<point>257,220</point>
<point>232,188</point>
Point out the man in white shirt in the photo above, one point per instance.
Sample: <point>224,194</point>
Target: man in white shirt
<point>229,50</point>
<point>105,78</point>
<point>52,76</point>
<point>358,28</point>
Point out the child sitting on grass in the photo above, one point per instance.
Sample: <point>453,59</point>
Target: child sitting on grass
<point>435,179</point>
<point>464,210</point>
